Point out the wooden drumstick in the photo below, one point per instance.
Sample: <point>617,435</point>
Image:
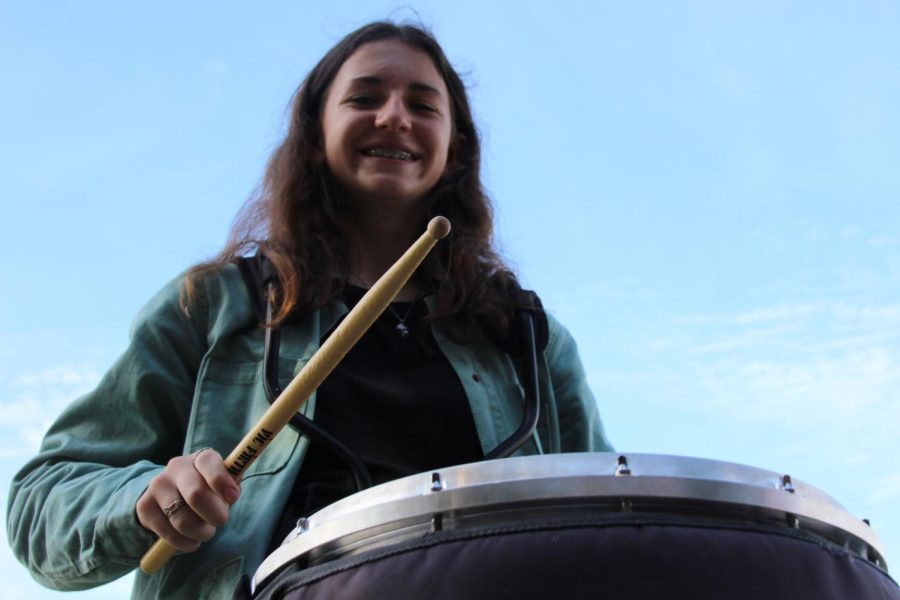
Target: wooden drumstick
<point>356,323</point>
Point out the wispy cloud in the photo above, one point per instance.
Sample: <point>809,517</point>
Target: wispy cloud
<point>887,488</point>
<point>36,399</point>
<point>838,313</point>
<point>810,391</point>
<point>826,361</point>
<point>882,239</point>
<point>850,231</point>
<point>811,386</point>
<point>215,66</point>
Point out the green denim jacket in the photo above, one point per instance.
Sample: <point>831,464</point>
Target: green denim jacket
<point>190,381</point>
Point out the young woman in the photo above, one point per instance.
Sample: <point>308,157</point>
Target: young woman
<point>381,139</point>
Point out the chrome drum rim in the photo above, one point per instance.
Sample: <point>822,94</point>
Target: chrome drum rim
<point>522,488</point>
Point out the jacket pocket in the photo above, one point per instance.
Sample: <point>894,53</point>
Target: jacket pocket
<point>228,402</point>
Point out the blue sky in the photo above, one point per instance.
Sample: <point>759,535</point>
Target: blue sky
<point>706,193</point>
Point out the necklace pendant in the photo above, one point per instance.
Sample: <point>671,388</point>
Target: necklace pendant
<point>402,330</point>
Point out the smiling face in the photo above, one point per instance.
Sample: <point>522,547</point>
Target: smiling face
<point>386,124</point>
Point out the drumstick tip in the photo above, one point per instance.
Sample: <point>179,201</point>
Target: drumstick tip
<point>439,227</point>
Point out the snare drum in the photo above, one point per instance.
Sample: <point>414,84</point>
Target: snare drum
<point>600,525</point>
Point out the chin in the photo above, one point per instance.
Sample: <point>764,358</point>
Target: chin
<point>393,194</point>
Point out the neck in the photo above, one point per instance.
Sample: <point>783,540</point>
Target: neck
<point>376,242</point>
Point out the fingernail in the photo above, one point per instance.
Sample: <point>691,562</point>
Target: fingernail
<point>232,495</point>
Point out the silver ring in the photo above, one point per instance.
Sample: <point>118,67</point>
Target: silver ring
<point>172,508</point>
<point>198,453</point>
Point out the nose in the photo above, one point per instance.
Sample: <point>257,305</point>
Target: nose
<point>393,114</point>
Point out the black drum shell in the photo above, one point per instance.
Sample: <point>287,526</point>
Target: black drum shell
<point>594,525</point>
<point>623,556</point>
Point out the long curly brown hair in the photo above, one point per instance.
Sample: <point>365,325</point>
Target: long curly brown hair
<point>299,224</point>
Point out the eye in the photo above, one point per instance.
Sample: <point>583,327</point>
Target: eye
<point>361,100</point>
<point>424,107</point>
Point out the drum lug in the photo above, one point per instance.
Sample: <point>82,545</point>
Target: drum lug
<point>302,524</point>
<point>437,485</point>
<point>786,484</point>
<point>622,467</point>
<point>437,522</point>
<point>301,527</point>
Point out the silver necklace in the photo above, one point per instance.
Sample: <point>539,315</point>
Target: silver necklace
<point>401,328</point>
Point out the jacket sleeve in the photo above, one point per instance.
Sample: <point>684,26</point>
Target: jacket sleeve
<point>70,516</point>
<point>581,429</point>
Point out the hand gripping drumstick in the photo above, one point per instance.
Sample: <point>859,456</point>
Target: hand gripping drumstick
<point>312,375</point>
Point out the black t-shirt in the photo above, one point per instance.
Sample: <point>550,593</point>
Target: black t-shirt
<point>396,401</point>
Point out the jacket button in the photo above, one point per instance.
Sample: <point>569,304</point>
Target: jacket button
<point>476,376</point>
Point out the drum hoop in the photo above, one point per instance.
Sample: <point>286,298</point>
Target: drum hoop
<point>599,482</point>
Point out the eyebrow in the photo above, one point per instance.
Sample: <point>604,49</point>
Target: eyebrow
<point>416,86</point>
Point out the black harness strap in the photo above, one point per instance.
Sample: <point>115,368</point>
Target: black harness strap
<point>258,276</point>
<point>527,336</point>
